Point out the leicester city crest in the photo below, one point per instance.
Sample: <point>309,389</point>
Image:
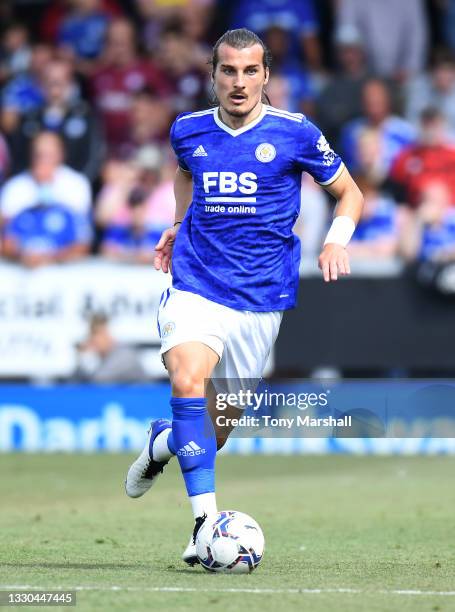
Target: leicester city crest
<point>265,152</point>
<point>168,329</point>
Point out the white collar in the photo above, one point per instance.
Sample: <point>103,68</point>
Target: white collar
<point>242,129</point>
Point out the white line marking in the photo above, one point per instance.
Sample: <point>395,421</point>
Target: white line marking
<point>231,199</point>
<point>20,587</point>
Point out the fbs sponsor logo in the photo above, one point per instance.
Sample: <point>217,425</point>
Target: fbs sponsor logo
<point>190,450</point>
<point>200,152</point>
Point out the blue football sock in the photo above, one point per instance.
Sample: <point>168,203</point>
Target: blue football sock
<point>194,442</point>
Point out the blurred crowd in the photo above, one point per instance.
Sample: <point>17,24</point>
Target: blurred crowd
<point>89,89</point>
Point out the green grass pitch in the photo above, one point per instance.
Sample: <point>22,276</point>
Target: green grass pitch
<point>342,533</point>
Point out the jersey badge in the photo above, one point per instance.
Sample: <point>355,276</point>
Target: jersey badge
<point>168,329</point>
<point>327,152</point>
<point>265,152</point>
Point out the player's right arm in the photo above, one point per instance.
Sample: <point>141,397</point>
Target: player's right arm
<point>183,191</point>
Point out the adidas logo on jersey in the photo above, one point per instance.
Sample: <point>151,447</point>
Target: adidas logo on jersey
<point>190,450</point>
<point>200,152</point>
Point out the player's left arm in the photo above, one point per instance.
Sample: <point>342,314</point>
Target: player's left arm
<point>334,259</point>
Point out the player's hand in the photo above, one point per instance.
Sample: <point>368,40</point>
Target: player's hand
<point>334,262</point>
<point>163,250</point>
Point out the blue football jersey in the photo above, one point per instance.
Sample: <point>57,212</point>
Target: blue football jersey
<point>47,229</point>
<point>236,245</point>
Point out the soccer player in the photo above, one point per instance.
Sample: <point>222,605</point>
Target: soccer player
<point>235,260</point>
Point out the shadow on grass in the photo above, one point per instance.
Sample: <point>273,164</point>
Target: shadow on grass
<point>81,566</point>
<point>183,570</point>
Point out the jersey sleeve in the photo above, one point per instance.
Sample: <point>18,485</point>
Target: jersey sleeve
<point>315,155</point>
<point>175,142</point>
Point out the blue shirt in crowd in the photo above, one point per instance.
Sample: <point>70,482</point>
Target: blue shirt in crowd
<point>48,229</point>
<point>85,34</point>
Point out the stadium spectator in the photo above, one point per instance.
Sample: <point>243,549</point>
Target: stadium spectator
<point>4,159</point>
<point>312,221</point>
<point>24,92</point>
<point>181,59</point>
<point>377,233</point>
<point>279,92</point>
<point>46,210</point>
<point>149,174</point>
<point>65,113</point>
<point>118,179</point>
<point>195,17</point>
<point>103,360</point>
<point>149,121</point>
<point>123,73</point>
<point>6,12</point>
<point>153,16</point>
<point>394,132</point>
<point>297,17</point>
<point>430,232</point>
<point>134,242</point>
<point>57,11</point>
<point>345,85</point>
<point>394,34</point>
<point>15,51</point>
<point>83,30</point>
<point>435,89</point>
<point>447,21</point>
<point>431,158</point>
<point>369,152</point>
<point>300,83</point>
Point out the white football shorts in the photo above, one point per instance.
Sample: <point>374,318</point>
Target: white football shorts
<point>242,339</point>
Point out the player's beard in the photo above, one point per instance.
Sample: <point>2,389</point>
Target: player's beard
<point>239,112</point>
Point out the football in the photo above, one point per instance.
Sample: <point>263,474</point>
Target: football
<point>231,542</point>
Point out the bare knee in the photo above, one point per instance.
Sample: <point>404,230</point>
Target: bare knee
<point>187,383</point>
<point>190,365</point>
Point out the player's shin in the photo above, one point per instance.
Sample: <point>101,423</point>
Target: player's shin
<point>193,437</point>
